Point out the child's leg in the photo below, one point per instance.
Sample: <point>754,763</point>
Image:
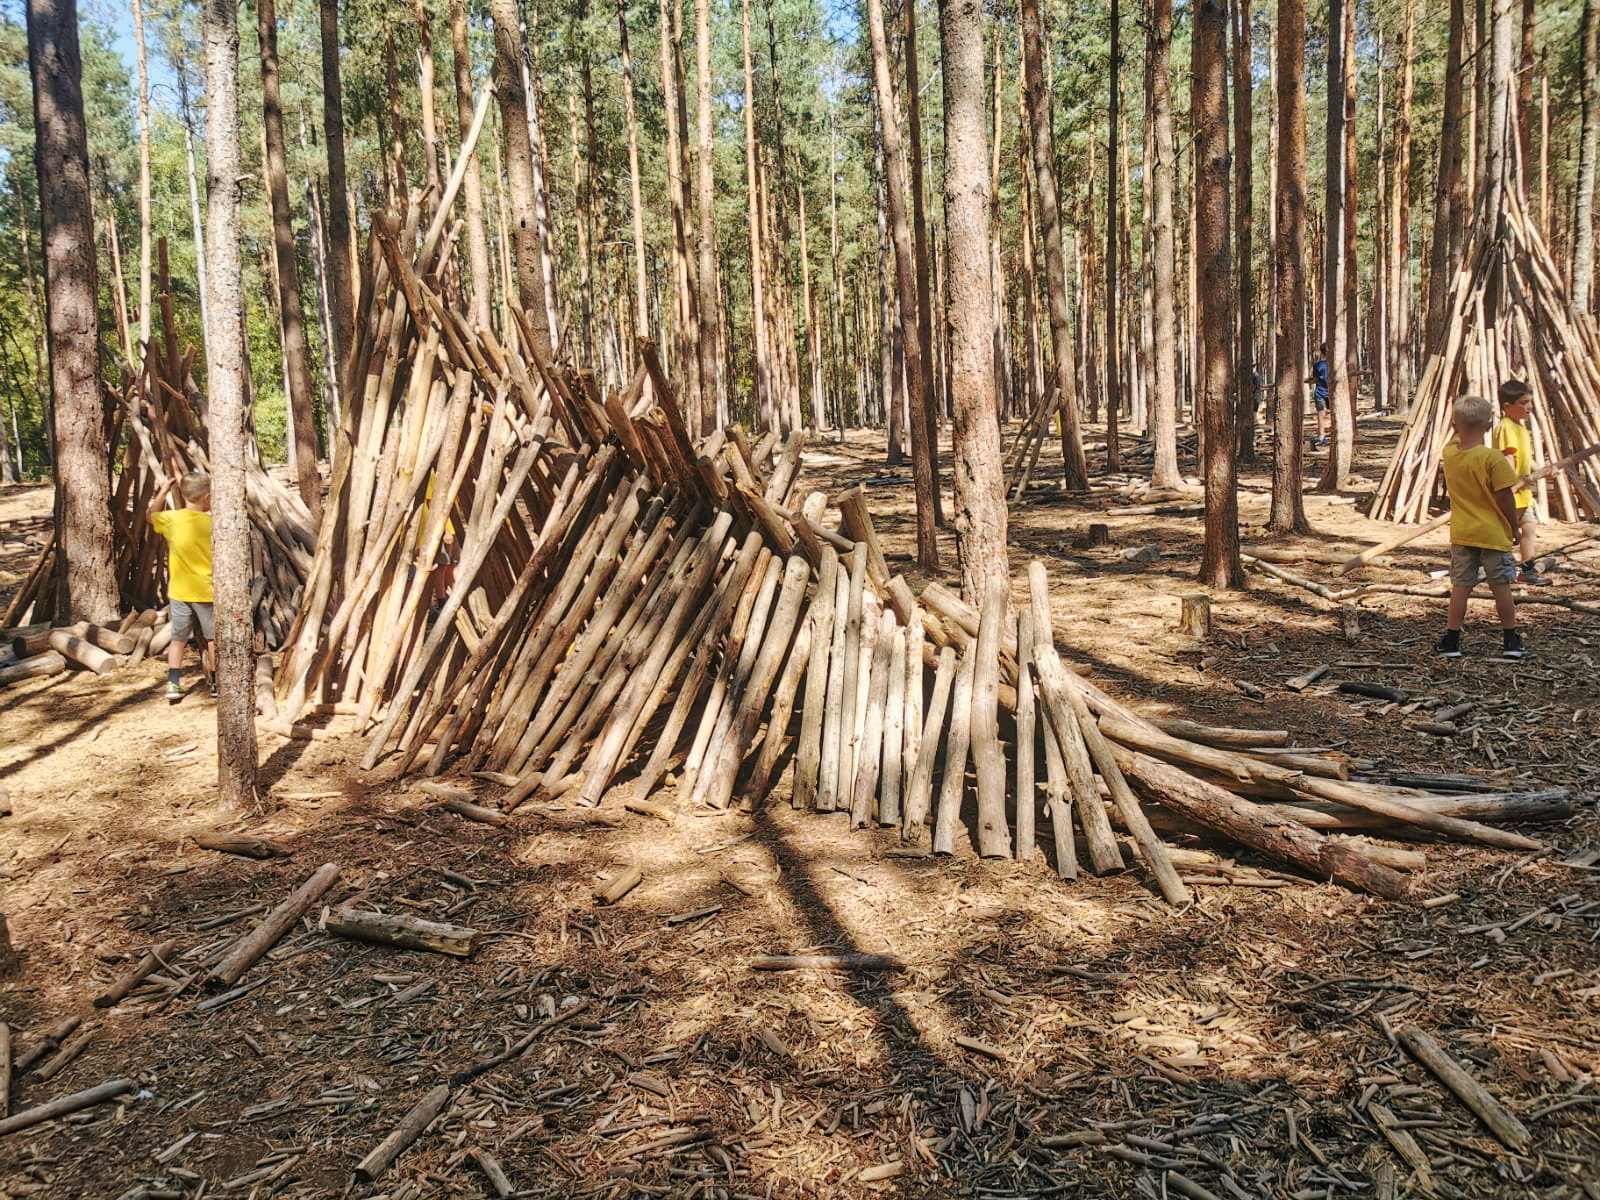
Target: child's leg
<point>209,661</point>
<point>1504,605</point>
<point>1528,536</point>
<point>175,652</point>
<point>1457,614</point>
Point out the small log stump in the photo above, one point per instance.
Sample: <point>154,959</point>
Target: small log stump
<point>1195,617</point>
<point>1352,622</point>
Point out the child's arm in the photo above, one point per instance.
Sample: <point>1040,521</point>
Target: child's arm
<point>1507,504</point>
<point>157,501</point>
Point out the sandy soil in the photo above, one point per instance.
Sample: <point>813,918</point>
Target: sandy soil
<point>1046,1037</point>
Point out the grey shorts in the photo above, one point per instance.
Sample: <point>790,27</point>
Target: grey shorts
<point>1529,515</point>
<point>1469,564</point>
<point>186,614</point>
<point>1320,403</point>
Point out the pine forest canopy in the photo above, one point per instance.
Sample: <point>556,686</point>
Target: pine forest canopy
<point>831,322</point>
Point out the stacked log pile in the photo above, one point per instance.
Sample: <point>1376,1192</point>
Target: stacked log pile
<point>155,425</point>
<point>626,604</point>
<point>1536,339</point>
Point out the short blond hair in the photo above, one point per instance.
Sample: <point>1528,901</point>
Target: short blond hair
<point>195,485</point>
<point>1472,412</point>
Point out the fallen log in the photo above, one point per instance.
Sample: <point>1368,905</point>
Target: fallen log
<point>1473,1094</point>
<point>34,667</point>
<point>1228,739</point>
<point>405,932</point>
<point>241,844</point>
<point>65,1105</point>
<point>827,962</point>
<point>420,1116</point>
<point>118,991</point>
<point>82,652</point>
<point>266,935</point>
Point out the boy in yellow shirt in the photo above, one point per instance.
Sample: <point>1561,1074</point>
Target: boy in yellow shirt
<point>1513,439</point>
<point>1483,522</point>
<point>188,534</point>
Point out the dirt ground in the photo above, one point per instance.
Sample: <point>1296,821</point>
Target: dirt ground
<point>1045,1037</point>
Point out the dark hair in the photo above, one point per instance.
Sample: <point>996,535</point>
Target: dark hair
<point>1514,391</point>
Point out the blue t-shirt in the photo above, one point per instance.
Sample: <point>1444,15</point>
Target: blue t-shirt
<point>1320,371</point>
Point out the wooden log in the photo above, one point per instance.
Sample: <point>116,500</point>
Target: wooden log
<point>1285,841</point>
<point>406,932</point>
<point>46,1044</point>
<point>919,792</point>
<point>1411,814</point>
<point>243,845</point>
<point>1301,682</point>
<point>411,1125</point>
<point>266,700</point>
<point>1027,737</point>
<point>827,962</point>
<point>112,641</point>
<point>82,652</point>
<point>493,1171</point>
<point>278,922</point>
<point>118,991</point>
<point>783,698</point>
<point>869,751</point>
<point>70,1050</point>
<point>1194,619</point>
<point>1102,844</point>
<point>5,1070</point>
<point>36,666</point>
<point>1394,543</point>
<point>619,884</point>
<point>808,756</point>
<point>871,618</point>
<point>1378,691</point>
<point>1512,1132</point>
<point>852,504</point>
<point>475,812</point>
<point>64,1105</point>
<point>994,836</point>
<point>1211,735</point>
<point>894,720</point>
<point>161,640</point>
<point>1058,784</point>
<point>948,814</point>
<point>833,706</point>
<point>916,642</point>
<point>1350,615</point>
<point>28,640</point>
<point>851,671</point>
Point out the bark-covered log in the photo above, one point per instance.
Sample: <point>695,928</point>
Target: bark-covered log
<point>406,932</point>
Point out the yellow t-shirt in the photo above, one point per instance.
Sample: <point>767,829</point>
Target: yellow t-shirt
<point>188,534</point>
<point>1473,477</point>
<point>1516,437</point>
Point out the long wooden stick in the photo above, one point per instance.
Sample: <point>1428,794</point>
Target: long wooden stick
<point>808,756</point>
<point>994,838</point>
<point>277,923</point>
<point>60,1107</point>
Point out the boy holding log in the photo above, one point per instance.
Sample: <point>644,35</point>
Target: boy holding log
<point>1483,523</point>
<point>1513,439</point>
<point>188,534</point>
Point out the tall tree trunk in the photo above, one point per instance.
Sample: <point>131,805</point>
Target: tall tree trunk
<point>119,283</point>
<point>686,303</point>
<point>230,521</point>
<point>1588,150</point>
<point>1502,174</point>
<point>1113,294</point>
<point>541,175</point>
<point>1027,215</point>
<point>1075,474</point>
<point>583,211</point>
<point>397,121</point>
<point>87,581</point>
<point>340,256</point>
<point>145,234</point>
<point>1289,274</point>
<point>641,271</point>
<point>430,127</point>
<point>1244,196</point>
<point>764,399</point>
<point>296,354</point>
<point>1378,326</point>
<point>814,384</point>
<point>1524,70</point>
<point>905,268</point>
<point>472,184</point>
<point>1208,110</point>
<point>196,227</point>
<point>1449,212</point>
<point>712,398</point>
<point>980,516</point>
<point>919,229</point>
<point>525,250</point>
<point>1164,400</point>
<point>1400,361</point>
<point>1341,392</point>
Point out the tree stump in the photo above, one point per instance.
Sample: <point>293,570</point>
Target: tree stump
<point>8,956</point>
<point>1352,622</point>
<point>1195,617</point>
<point>1098,535</point>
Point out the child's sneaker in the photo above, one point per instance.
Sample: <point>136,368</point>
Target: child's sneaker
<point>1513,644</point>
<point>174,693</point>
<point>1529,574</point>
<point>1450,644</point>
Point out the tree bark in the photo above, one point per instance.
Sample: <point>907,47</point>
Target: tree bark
<point>1341,400</point>
<point>761,377</point>
<point>340,255</point>
<point>87,582</point>
<point>980,515</point>
<point>1449,211</point>
<point>1399,349</point>
<point>296,354</point>
<point>686,331</point>
<point>1588,150</point>
<point>472,184</point>
<point>525,249</point>
<point>919,231</point>
<point>1113,296</point>
<point>1164,401</point>
<point>712,398</point>
<point>1289,274</point>
<point>1076,469</point>
<point>1219,561</point>
<point>641,273</point>
<point>430,127</point>
<point>1244,199</point>
<point>905,277</point>
<point>145,234</point>
<point>230,521</point>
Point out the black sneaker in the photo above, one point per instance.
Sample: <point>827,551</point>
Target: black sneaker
<point>1513,647</point>
<point>1450,644</point>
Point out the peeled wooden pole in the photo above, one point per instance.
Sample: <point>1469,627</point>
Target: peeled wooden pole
<point>807,761</point>
<point>277,923</point>
<point>850,668</point>
<point>420,1116</point>
<point>1027,734</point>
<point>82,652</point>
<point>1471,1093</point>
<point>869,752</point>
<point>894,717</point>
<point>919,792</point>
<point>948,814</point>
<point>61,1107</point>
<point>34,667</point>
<point>994,837</point>
<point>783,698</point>
<point>1394,543</point>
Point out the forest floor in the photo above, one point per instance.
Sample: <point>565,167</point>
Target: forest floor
<point>1241,1047</point>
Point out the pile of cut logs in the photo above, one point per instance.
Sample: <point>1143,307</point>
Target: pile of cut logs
<point>1536,339</point>
<point>620,603</point>
<point>155,422</point>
